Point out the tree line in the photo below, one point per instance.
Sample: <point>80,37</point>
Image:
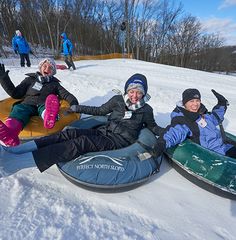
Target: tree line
<point>155,31</point>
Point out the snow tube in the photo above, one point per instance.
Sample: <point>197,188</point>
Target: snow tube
<point>61,66</point>
<point>120,169</point>
<point>35,128</point>
<point>209,170</point>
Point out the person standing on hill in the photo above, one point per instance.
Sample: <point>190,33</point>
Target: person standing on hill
<point>67,48</point>
<point>21,46</point>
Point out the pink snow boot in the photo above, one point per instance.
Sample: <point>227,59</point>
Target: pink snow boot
<point>52,106</point>
<point>9,132</point>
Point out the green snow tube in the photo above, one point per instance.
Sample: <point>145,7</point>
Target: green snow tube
<point>209,170</point>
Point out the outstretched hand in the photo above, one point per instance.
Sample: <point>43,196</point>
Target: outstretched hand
<point>221,99</point>
<point>3,72</point>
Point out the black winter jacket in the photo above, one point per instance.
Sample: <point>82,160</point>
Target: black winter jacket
<point>122,131</point>
<point>32,92</point>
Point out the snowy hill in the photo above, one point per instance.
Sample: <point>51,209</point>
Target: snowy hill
<point>36,205</point>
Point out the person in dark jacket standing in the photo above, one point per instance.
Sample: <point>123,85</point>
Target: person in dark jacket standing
<point>39,94</point>
<point>21,46</point>
<point>67,48</point>
<point>129,113</point>
<point>190,119</point>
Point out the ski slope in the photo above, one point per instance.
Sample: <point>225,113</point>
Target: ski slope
<point>36,205</point>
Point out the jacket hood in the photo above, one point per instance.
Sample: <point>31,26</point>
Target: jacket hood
<point>64,36</point>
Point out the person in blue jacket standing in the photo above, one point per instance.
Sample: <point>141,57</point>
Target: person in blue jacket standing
<point>67,48</point>
<point>190,119</point>
<point>21,46</point>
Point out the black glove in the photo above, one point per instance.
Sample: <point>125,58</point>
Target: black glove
<point>16,52</point>
<point>221,99</point>
<point>3,73</point>
<point>159,147</point>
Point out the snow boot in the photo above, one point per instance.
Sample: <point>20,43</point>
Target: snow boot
<point>9,132</point>
<point>73,65</point>
<point>52,106</point>
<point>68,64</point>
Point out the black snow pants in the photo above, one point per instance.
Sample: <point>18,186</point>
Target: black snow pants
<point>69,144</point>
<point>23,57</point>
<point>69,62</point>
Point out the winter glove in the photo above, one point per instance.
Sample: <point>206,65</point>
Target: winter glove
<point>16,52</point>
<point>221,99</point>
<point>3,72</point>
<point>159,147</point>
<point>72,109</point>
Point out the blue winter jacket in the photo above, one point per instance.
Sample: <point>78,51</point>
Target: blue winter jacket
<point>66,45</point>
<point>20,45</point>
<point>200,127</point>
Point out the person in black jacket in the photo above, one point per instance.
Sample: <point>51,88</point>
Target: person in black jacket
<point>39,94</point>
<point>129,113</point>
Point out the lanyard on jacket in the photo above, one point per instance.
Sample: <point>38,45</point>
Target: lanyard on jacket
<point>222,131</point>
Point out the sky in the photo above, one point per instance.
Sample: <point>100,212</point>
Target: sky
<point>216,16</point>
<point>46,206</point>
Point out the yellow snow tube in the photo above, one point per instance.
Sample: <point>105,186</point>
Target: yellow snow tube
<point>35,128</point>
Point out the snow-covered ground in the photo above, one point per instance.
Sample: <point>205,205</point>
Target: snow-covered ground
<point>36,205</point>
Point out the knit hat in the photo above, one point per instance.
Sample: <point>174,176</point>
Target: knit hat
<point>189,94</point>
<point>18,33</point>
<point>137,81</point>
<point>51,62</point>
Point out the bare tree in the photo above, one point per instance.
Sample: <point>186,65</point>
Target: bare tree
<point>8,17</point>
<point>143,22</point>
<point>166,18</point>
<point>184,39</point>
<point>155,30</point>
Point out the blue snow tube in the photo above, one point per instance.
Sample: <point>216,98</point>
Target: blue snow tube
<point>123,168</point>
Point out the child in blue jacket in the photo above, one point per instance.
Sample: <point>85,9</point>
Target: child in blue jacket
<point>67,48</point>
<point>21,46</point>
